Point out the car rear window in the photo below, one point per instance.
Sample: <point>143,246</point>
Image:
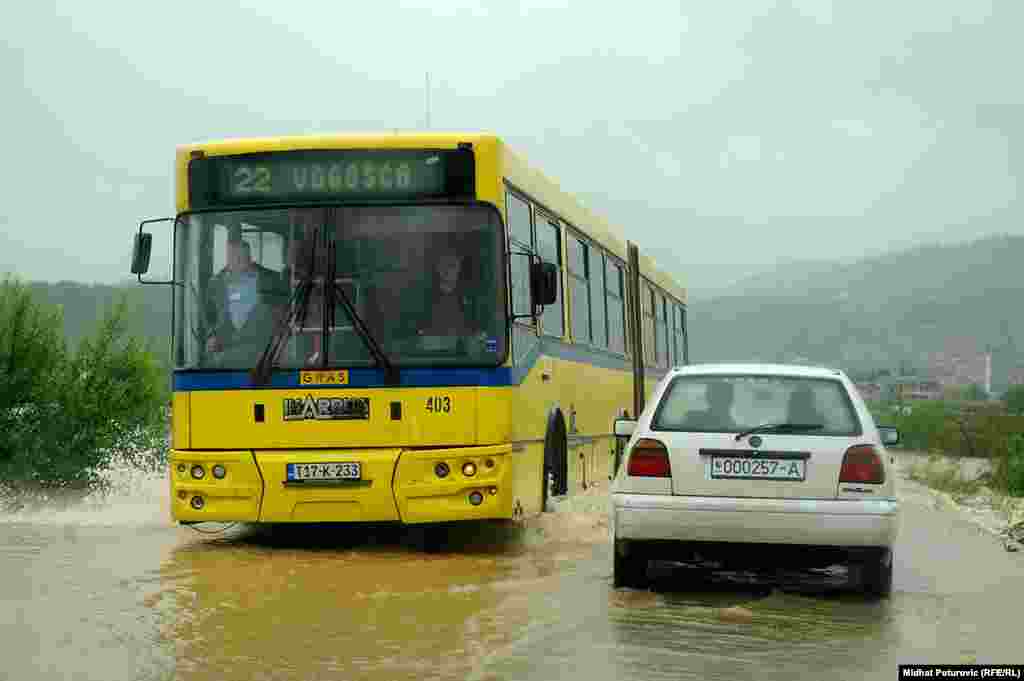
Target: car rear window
<point>731,404</point>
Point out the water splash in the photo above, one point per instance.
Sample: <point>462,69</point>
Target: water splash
<point>128,494</point>
<point>580,520</point>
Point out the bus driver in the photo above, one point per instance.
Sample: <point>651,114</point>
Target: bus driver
<point>245,301</point>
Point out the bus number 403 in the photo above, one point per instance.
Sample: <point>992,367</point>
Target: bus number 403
<point>439,404</point>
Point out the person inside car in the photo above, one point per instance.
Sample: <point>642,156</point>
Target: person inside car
<point>718,415</point>
<point>803,407</point>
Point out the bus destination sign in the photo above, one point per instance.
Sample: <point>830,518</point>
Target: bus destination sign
<point>331,175</point>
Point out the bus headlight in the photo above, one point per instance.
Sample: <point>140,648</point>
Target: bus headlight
<point>197,472</point>
<point>476,498</point>
<point>469,469</point>
<point>219,472</point>
<point>441,470</point>
<point>197,503</point>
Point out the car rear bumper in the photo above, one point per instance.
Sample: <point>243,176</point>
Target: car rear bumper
<point>808,522</point>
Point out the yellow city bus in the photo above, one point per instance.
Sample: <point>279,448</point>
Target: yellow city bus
<point>418,328</point>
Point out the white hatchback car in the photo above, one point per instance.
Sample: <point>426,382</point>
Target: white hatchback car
<point>760,465</point>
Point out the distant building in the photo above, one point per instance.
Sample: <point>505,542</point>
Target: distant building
<point>961,364</point>
<point>1015,376</point>
<point>869,391</point>
<point>917,389</point>
<point>902,388</point>
<point>1006,359</point>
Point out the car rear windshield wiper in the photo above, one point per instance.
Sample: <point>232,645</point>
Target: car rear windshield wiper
<point>773,427</point>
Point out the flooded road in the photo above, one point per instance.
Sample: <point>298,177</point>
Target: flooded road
<point>108,589</point>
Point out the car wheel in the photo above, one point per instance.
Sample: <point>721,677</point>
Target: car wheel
<point>876,575</point>
<point>629,568</point>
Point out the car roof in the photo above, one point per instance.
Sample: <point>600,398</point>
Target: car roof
<point>796,370</point>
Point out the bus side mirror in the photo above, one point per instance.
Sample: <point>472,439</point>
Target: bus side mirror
<point>543,283</point>
<point>141,250</point>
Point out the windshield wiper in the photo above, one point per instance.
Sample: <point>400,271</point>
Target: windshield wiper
<point>391,375</point>
<point>773,427</point>
<point>260,374</point>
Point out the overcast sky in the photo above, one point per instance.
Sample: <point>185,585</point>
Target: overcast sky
<point>717,133</point>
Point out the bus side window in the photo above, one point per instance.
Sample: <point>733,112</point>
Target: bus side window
<point>520,240</point>
<point>549,249</point>
<point>616,306</point>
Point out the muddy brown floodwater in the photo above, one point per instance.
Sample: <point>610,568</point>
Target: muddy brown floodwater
<point>108,589</point>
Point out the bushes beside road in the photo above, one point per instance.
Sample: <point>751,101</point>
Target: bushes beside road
<point>961,429</point>
<point>63,413</point>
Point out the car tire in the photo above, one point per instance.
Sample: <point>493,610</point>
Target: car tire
<point>876,575</point>
<point>629,568</point>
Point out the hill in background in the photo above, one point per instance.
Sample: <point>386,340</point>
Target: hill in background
<point>877,311</point>
<point>83,305</point>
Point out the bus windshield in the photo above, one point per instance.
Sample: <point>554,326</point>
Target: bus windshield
<point>426,280</point>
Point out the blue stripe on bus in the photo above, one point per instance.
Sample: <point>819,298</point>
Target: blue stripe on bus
<point>422,377</point>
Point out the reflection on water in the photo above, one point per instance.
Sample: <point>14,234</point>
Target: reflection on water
<point>349,604</point>
<point>729,633</point>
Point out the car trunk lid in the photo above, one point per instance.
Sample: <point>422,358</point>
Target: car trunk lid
<point>783,466</point>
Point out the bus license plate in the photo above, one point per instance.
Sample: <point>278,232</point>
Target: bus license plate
<point>347,470</point>
<point>747,468</point>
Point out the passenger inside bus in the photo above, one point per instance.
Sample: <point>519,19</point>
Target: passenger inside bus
<point>244,302</point>
<point>449,312</point>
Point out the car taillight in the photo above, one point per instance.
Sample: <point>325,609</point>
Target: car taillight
<point>861,463</point>
<point>649,459</point>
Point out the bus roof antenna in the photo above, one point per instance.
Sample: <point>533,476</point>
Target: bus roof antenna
<point>428,100</point>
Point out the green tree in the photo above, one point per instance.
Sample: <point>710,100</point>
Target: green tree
<point>31,356</point>
<point>71,412</point>
<point>1014,399</point>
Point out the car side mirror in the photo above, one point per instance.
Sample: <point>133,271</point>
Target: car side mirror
<point>543,283</point>
<point>624,427</point>
<point>890,435</point>
<point>142,247</point>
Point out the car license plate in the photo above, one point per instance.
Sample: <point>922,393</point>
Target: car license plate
<point>347,470</point>
<point>750,468</point>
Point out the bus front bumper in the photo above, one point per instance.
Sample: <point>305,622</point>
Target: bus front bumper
<point>395,485</point>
